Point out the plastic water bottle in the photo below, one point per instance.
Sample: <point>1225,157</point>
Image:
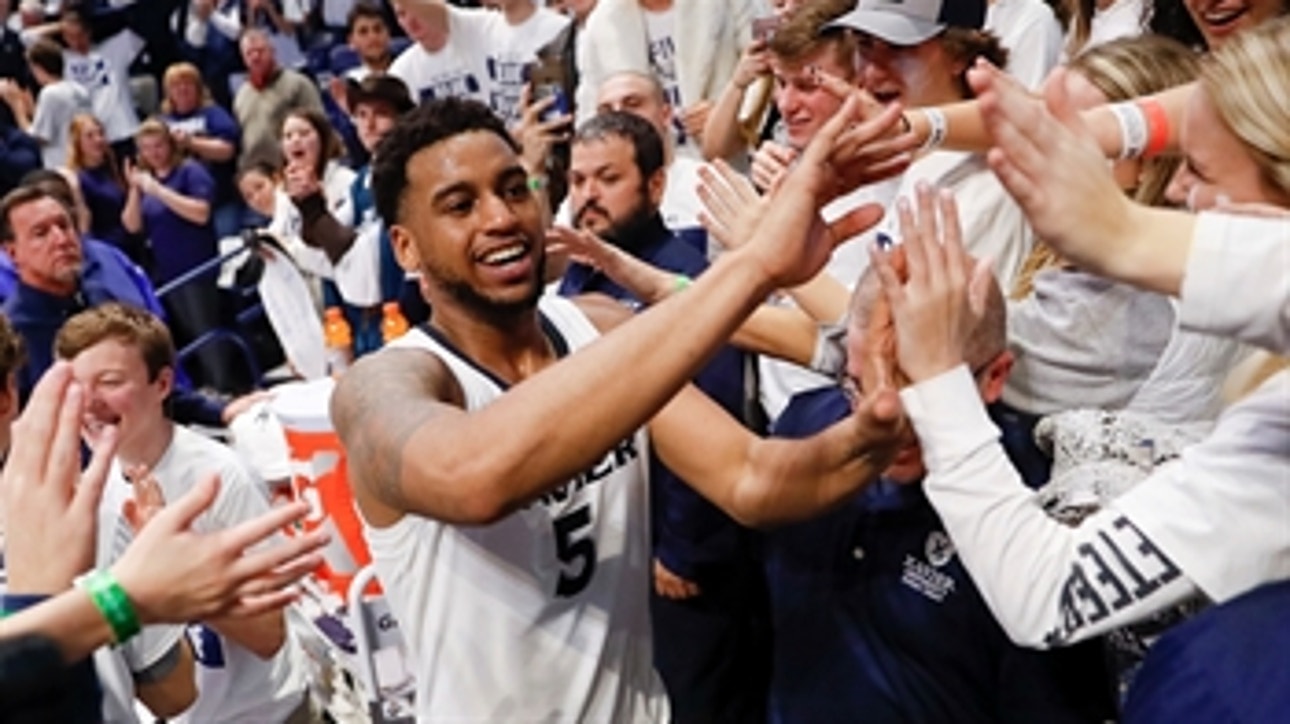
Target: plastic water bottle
<point>339,341</point>
<point>393,323</point>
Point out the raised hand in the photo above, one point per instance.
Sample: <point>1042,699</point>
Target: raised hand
<point>50,506</point>
<point>300,180</point>
<point>1053,167</point>
<point>537,136</point>
<point>694,117</point>
<point>753,64</point>
<point>173,574</point>
<point>863,156</point>
<point>770,163</point>
<point>647,282</point>
<point>792,241</point>
<point>937,310</point>
<point>732,208</point>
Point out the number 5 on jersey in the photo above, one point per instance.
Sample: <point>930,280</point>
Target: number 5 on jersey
<point>577,554</point>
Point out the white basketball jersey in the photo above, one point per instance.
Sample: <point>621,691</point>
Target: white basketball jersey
<point>544,615</point>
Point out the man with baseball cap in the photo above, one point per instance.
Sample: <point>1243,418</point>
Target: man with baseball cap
<point>366,274</point>
<point>910,22</point>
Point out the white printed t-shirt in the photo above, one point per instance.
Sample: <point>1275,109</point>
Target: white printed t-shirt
<point>234,684</point>
<point>57,105</point>
<point>511,49</point>
<point>457,69</point>
<point>104,73</point>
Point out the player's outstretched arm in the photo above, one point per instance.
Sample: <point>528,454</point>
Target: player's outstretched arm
<point>769,482</point>
<point>413,449</point>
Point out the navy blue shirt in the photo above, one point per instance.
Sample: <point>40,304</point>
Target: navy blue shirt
<point>106,276</point>
<point>1229,664</point>
<point>211,121</point>
<point>690,533</point>
<point>876,620</point>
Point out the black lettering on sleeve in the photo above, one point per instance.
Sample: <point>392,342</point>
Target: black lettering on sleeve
<point>1107,576</point>
<point>1085,591</point>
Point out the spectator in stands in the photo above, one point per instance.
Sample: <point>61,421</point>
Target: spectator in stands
<point>209,134</point>
<point>124,359</point>
<point>13,64</point>
<point>207,33</point>
<point>563,48</point>
<point>103,70</point>
<point>170,201</point>
<point>59,274</point>
<point>449,54</point>
<point>58,103</point>
<point>282,22</point>
<point>1032,35</point>
<point>513,43</point>
<point>691,47</point>
<point>269,93</point>
<point>366,273</point>
<point>368,35</point>
<point>876,618</point>
<point>643,95</point>
<point>19,152</point>
<point>744,115</point>
<point>259,181</point>
<point>95,177</point>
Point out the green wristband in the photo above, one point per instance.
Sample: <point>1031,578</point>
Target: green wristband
<point>680,283</point>
<point>111,601</point>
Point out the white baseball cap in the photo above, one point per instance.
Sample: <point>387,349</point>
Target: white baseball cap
<point>910,22</point>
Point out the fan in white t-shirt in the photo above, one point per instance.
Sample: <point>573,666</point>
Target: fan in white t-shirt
<point>103,70</point>
<point>524,27</point>
<point>123,357</point>
<point>447,56</point>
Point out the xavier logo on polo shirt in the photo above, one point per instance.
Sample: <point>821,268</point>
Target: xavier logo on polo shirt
<point>924,576</point>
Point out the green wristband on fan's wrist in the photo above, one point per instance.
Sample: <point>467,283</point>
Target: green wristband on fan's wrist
<point>111,601</point>
<point>680,283</point>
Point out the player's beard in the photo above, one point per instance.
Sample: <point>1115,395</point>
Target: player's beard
<point>483,305</point>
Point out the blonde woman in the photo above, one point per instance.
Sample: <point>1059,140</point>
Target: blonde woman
<point>95,176</point>
<point>1081,340</point>
<point>210,135</point>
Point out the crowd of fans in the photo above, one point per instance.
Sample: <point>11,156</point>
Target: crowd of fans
<point>158,156</point>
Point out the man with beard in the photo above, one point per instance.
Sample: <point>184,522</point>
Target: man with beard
<point>709,602</point>
<point>496,453</point>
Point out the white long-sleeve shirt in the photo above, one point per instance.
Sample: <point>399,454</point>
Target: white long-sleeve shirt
<point>1216,520</point>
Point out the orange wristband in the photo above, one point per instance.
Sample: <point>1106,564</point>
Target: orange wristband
<point>1158,130</point>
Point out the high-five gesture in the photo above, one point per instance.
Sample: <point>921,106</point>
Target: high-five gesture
<point>937,310</point>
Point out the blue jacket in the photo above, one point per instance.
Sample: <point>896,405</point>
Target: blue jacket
<point>690,533</point>
<point>107,276</point>
<point>876,620</point>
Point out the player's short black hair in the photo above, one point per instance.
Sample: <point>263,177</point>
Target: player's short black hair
<point>646,143</point>
<point>433,121</point>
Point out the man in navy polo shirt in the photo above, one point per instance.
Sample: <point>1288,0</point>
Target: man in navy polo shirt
<point>875,619</point>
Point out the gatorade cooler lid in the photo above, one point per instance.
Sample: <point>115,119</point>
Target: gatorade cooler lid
<point>303,406</point>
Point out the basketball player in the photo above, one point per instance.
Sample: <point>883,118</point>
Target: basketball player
<point>497,453</point>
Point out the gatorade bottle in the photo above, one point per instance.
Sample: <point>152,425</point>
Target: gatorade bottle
<point>393,324</point>
<point>339,341</point>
